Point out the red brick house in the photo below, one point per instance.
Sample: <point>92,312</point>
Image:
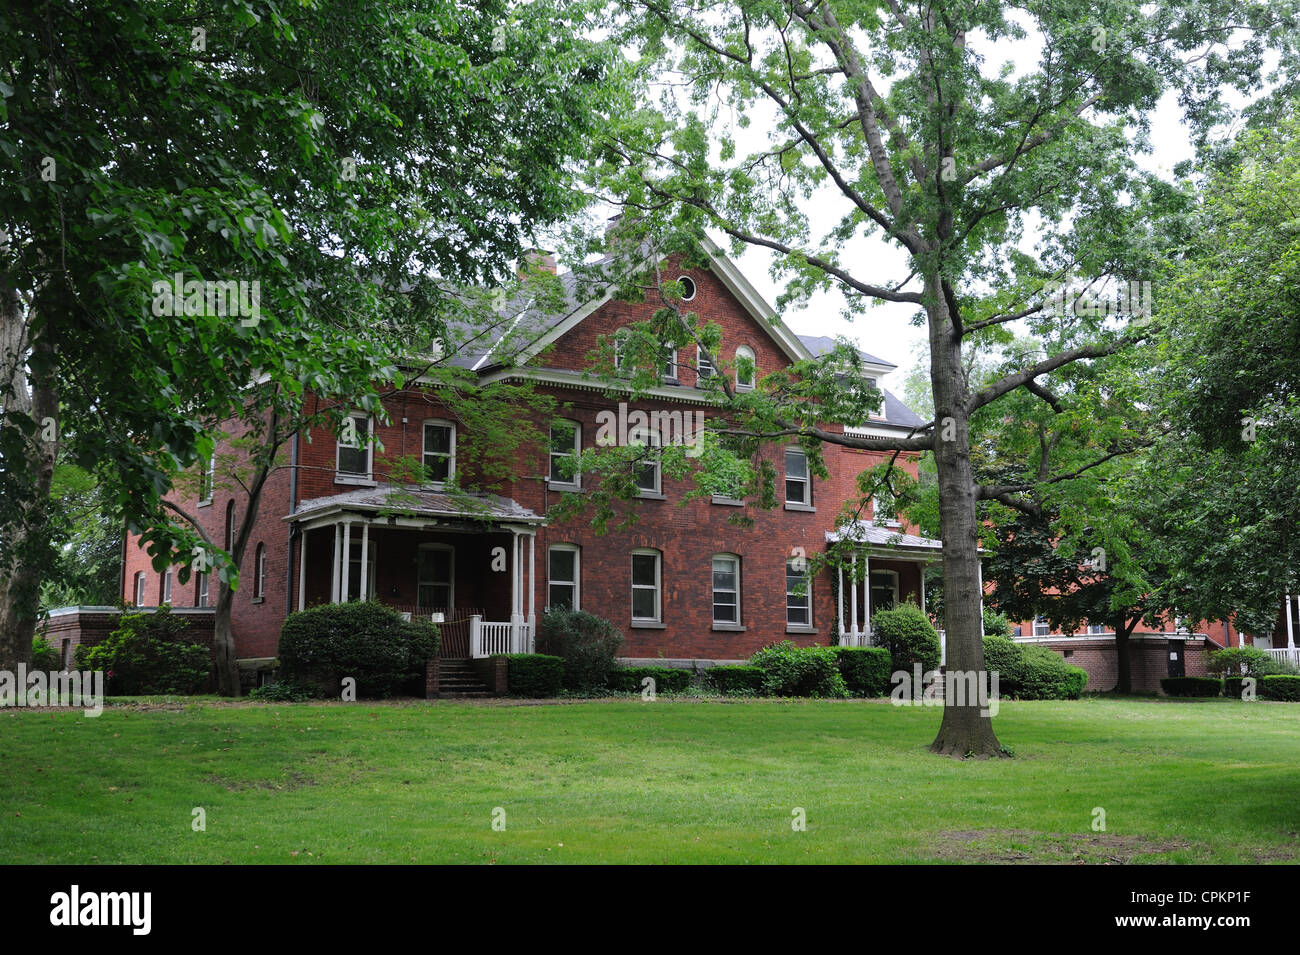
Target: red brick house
<point>683,584</point>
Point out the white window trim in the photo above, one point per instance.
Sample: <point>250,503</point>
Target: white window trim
<point>342,477</point>
<point>230,525</point>
<point>202,584</point>
<point>747,353</point>
<point>372,562</point>
<point>451,573</point>
<point>713,591</point>
<point>141,585</point>
<point>451,464</point>
<point>165,587</point>
<point>208,481</point>
<point>576,583</point>
<point>808,596</point>
<point>888,520</point>
<point>658,584</point>
<point>259,570</point>
<point>562,482</point>
<point>807,478</point>
<point>670,371</point>
<point>694,284</point>
<point>652,441</point>
<point>1047,627</point>
<point>704,367</point>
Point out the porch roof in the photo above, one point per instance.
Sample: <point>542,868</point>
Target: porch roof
<point>405,500</point>
<point>884,538</point>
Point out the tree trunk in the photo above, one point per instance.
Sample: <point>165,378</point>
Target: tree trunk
<point>223,643</point>
<point>965,730</point>
<point>1123,656</point>
<point>26,540</point>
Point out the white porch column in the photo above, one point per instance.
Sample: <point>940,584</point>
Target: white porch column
<point>532,582</point>
<point>515,582</point>
<point>866,599</point>
<point>920,569</point>
<point>346,558</point>
<point>1290,627</point>
<point>302,569</point>
<point>363,588</point>
<point>844,630</point>
<point>853,600</point>
<point>334,568</point>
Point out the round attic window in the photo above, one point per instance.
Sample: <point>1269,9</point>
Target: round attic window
<point>688,287</point>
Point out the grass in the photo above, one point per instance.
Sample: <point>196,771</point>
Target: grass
<point>668,781</point>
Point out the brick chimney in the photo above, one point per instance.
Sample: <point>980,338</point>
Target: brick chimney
<point>537,260</point>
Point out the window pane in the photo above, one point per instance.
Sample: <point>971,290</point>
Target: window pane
<point>562,564</point>
<point>796,464</point>
<point>724,574</point>
<point>647,477</point>
<point>796,491</point>
<point>437,439</point>
<point>561,597</point>
<point>643,603</point>
<point>643,569</point>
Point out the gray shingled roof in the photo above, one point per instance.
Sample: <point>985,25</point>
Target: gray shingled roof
<point>821,344</point>
<point>874,535</point>
<point>416,501</point>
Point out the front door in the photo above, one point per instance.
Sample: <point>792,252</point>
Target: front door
<point>1176,658</point>
<point>436,584</point>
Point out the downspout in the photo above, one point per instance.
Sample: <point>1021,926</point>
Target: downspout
<point>294,529</point>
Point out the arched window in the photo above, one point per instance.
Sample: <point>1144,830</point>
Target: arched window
<point>230,525</point>
<point>259,581</point>
<point>746,369</point>
<point>726,589</point>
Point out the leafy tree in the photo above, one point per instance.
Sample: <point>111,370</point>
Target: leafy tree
<point>351,158</point>
<point>893,114</point>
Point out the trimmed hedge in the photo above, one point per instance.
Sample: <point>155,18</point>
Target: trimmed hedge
<point>667,679</point>
<point>1233,686</point>
<point>534,674</point>
<point>742,680</point>
<point>1278,686</point>
<point>865,669</point>
<point>1006,657</point>
<point>362,639</point>
<point>909,636</point>
<point>799,671</point>
<point>1044,675</point>
<point>1191,686</point>
<point>588,645</point>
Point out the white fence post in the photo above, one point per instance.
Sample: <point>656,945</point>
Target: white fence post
<point>476,636</point>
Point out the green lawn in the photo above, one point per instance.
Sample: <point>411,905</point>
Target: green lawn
<point>668,781</point>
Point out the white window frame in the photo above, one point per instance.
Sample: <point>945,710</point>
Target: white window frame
<point>353,477</point>
<point>734,559</point>
<point>1096,628</point>
<point>651,440</point>
<point>704,367</point>
<point>657,588</point>
<point>806,578</point>
<point>807,478</point>
<point>208,480</point>
<point>259,570</point>
<point>230,525</point>
<point>744,351</point>
<point>885,520</point>
<point>201,585</point>
<point>165,587</point>
<point>620,337</point>
<point>669,370</point>
<point>575,584</point>
<point>553,477</point>
<point>451,574</point>
<point>683,279</point>
<point>451,456</point>
<point>141,584</point>
<point>1041,621</point>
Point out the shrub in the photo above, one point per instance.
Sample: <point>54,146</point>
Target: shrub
<point>1006,657</point>
<point>149,653</point>
<point>1044,675</point>
<point>799,671</point>
<point>282,691</point>
<point>909,636</point>
<point>44,656</point>
<point>865,669</point>
<point>1191,686</point>
<point>736,680</point>
<point>996,624</point>
<point>1280,686</point>
<point>1240,661</point>
<point>588,645</point>
<point>667,679</point>
<point>534,674</point>
<point>1233,686</point>
<point>364,640</point>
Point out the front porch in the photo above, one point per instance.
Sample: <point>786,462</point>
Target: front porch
<point>467,562</point>
<point>886,567</point>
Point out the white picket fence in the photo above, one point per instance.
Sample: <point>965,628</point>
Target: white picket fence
<point>1289,654</point>
<point>488,637</point>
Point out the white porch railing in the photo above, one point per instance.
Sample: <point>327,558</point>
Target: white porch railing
<point>490,637</point>
<point>1289,654</point>
<point>863,639</point>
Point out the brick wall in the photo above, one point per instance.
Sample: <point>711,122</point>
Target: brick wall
<point>1148,660</point>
